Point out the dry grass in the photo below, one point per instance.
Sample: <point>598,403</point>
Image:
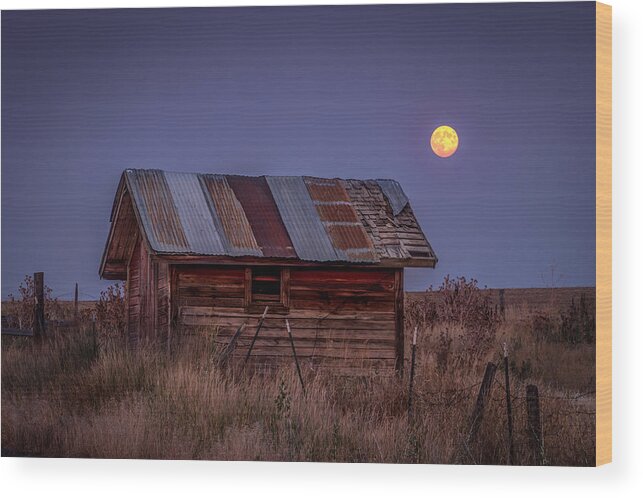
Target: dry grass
<point>82,396</point>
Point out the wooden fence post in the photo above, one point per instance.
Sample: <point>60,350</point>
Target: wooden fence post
<point>534,429</point>
<point>412,374</point>
<point>478,410</point>
<point>39,305</point>
<point>501,298</point>
<point>76,304</point>
<point>481,401</point>
<point>510,423</point>
<point>399,321</point>
<point>294,353</point>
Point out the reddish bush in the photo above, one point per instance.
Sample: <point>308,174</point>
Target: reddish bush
<point>110,310</point>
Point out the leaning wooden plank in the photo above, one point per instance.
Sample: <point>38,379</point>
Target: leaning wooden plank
<point>227,352</point>
<point>254,339</point>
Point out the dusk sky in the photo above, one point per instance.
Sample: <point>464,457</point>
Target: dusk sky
<point>351,92</point>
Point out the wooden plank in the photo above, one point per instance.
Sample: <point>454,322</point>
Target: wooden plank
<point>299,313</point>
<point>247,295</point>
<point>324,338</point>
<point>212,301</point>
<point>133,298</point>
<point>300,323</point>
<point>345,305</point>
<point>603,234</point>
<point>285,287</point>
<point>399,322</point>
<point>366,276</point>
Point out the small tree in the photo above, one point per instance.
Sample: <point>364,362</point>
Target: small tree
<point>21,307</point>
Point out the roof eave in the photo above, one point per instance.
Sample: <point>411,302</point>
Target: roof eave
<point>118,198</point>
<point>123,186</point>
<point>414,262</point>
<point>183,258</point>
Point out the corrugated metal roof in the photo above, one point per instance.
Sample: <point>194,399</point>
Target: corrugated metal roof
<point>299,215</point>
<point>395,195</point>
<point>226,208</point>
<point>202,230</point>
<point>311,219</point>
<point>157,211</point>
<point>269,231</point>
<point>346,232</point>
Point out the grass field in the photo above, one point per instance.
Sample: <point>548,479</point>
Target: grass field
<point>87,395</point>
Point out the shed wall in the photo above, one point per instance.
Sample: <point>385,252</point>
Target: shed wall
<point>148,297</point>
<point>339,317</point>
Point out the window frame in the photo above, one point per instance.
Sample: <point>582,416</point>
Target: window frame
<point>284,291</point>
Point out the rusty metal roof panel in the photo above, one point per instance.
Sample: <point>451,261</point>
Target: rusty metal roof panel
<point>229,215</point>
<point>326,190</point>
<point>255,197</point>
<point>335,212</point>
<point>204,232</point>
<point>297,210</point>
<point>396,197</point>
<point>156,210</point>
<point>346,232</point>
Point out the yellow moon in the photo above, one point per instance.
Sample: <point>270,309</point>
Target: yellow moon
<point>444,141</point>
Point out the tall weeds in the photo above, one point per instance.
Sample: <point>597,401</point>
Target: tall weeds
<point>86,395</point>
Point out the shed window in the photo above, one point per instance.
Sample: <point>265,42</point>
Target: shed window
<point>266,285</point>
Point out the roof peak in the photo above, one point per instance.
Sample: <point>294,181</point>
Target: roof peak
<point>261,176</point>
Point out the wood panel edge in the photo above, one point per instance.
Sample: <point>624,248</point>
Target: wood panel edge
<point>603,233</point>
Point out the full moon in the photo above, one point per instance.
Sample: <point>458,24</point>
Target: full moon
<point>444,141</point>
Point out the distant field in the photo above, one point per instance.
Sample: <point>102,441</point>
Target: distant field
<point>531,298</point>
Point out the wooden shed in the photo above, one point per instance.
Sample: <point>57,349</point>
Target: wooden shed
<point>205,253</point>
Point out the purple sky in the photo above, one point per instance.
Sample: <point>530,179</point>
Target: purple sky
<point>324,91</point>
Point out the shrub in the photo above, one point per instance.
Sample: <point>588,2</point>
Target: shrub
<point>462,309</point>
<point>110,311</point>
<point>420,312</point>
<point>21,308</point>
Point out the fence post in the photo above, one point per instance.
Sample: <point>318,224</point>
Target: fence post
<point>39,305</point>
<point>534,428</point>
<point>412,374</point>
<point>478,409</point>
<point>294,353</point>
<point>481,401</point>
<point>501,297</point>
<point>510,423</point>
<point>76,304</point>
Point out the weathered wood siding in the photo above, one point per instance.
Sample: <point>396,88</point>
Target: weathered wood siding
<point>134,294</point>
<point>162,301</point>
<point>339,317</point>
<point>148,297</point>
